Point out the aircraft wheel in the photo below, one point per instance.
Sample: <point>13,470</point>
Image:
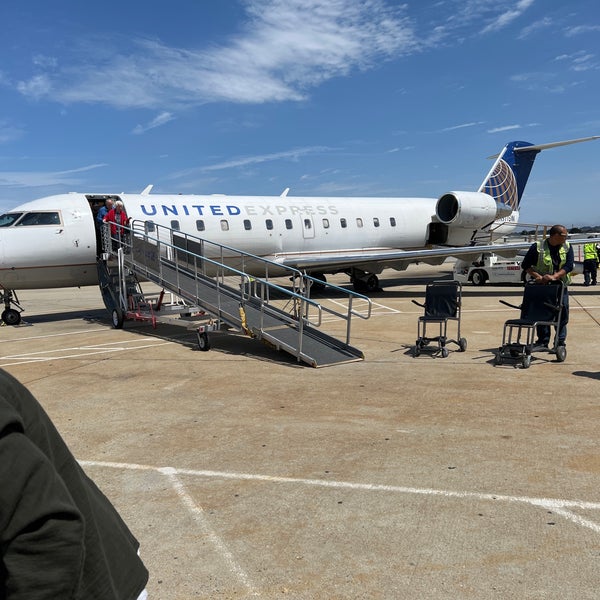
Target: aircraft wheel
<point>118,318</point>
<point>372,283</point>
<point>478,277</point>
<point>320,284</point>
<point>11,316</point>
<point>561,353</point>
<point>203,342</point>
<point>462,344</point>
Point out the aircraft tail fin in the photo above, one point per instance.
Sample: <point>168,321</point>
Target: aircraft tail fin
<point>508,177</point>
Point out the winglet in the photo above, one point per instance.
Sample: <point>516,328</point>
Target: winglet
<point>284,193</point>
<point>147,189</point>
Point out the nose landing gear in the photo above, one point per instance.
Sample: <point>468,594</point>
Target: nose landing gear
<point>10,316</point>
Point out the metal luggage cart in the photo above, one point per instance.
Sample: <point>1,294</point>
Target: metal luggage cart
<point>443,301</point>
<point>541,305</point>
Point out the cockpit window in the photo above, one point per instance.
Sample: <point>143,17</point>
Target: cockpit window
<point>40,218</point>
<point>8,219</point>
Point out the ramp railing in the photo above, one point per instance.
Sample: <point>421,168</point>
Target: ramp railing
<point>218,278</point>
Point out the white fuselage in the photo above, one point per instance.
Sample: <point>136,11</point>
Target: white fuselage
<point>64,253</point>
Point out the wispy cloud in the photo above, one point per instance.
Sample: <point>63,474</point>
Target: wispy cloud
<point>535,27</point>
<point>44,178</point>
<point>246,161</point>
<point>159,120</point>
<point>511,127</point>
<point>286,48</point>
<point>581,29</point>
<point>508,16</point>
<point>504,128</point>
<point>462,126</point>
<point>9,133</point>
<point>293,155</point>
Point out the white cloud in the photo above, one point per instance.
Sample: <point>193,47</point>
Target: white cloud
<point>505,128</point>
<point>535,27</point>
<point>455,127</point>
<point>508,16</point>
<point>9,133</point>
<point>159,120</point>
<point>246,161</point>
<point>581,29</point>
<point>43,179</point>
<point>286,48</point>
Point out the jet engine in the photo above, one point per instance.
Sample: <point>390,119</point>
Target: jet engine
<point>469,210</point>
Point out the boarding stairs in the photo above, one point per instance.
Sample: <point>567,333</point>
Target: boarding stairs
<point>210,282</point>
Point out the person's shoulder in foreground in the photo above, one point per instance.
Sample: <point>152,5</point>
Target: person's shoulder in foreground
<point>59,534</point>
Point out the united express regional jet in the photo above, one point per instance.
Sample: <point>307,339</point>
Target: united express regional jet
<point>52,241</point>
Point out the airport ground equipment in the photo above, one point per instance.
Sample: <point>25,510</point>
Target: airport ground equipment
<point>443,301</point>
<point>490,268</point>
<point>211,285</point>
<point>541,305</point>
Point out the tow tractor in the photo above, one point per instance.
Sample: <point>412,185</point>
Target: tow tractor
<point>489,268</point>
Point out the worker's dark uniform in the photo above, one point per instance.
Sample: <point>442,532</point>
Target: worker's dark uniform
<point>60,537</point>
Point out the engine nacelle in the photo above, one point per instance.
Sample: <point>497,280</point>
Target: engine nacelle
<point>469,210</point>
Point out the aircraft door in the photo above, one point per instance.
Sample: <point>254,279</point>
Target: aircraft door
<point>308,228</point>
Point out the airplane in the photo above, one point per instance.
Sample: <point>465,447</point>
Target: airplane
<point>52,242</point>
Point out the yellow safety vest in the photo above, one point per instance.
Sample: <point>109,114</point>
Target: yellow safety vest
<point>590,252</point>
<point>544,263</point>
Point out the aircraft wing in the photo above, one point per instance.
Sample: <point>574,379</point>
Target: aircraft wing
<point>392,257</point>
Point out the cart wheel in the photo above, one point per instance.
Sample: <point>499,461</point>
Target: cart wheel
<point>498,360</point>
<point>417,349</point>
<point>561,353</point>
<point>462,344</point>
<point>444,352</point>
<point>118,317</point>
<point>203,342</point>
<point>526,361</point>
<point>11,316</point>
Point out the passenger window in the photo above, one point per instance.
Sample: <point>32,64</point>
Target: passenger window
<point>288,224</point>
<point>393,221</point>
<point>307,224</point>
<point>269,224</point>
<point>200,225</point>
<point>325,223</point>
<point>224,225</point>
<point>40,218</point>
<point>149,226</point>
<point>175,225</point>
<point>343,223</point>
<point>359,222</point>
<point>247,224</point>
<point>376,221</point>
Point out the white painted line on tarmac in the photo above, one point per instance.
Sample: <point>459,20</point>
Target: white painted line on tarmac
<point>201,519</point>
<point>77,352</point>
<point>557,505</point>
<point>52,335</point>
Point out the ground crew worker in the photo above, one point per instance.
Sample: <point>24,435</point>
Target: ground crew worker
<point>590,263</point>
<point>547,262</point>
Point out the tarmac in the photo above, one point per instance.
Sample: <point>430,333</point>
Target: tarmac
<point>245,474</point>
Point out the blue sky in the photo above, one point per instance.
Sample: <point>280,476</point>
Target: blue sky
<point>326,97</point>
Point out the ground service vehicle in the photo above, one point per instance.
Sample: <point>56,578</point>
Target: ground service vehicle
<point>489,268</point>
